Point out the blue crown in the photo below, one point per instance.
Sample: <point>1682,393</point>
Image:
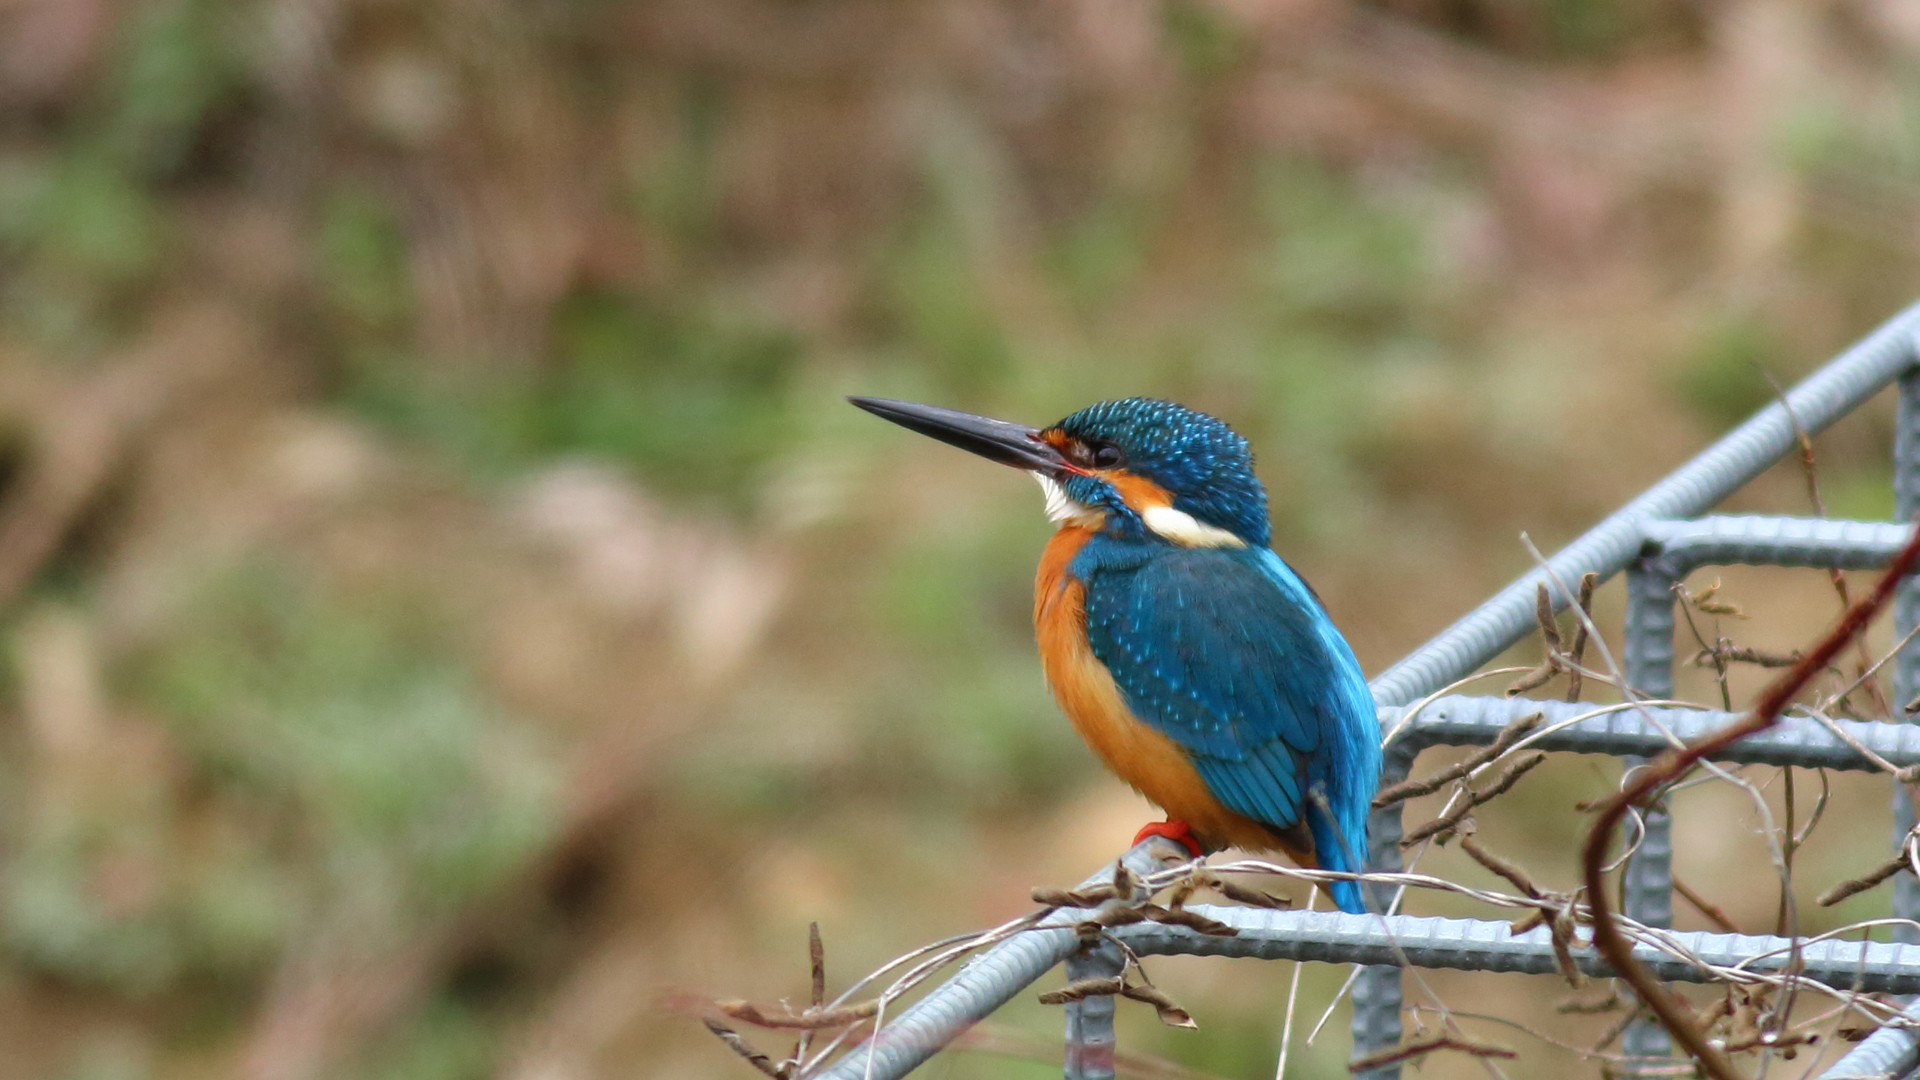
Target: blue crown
<point>1204,464</point>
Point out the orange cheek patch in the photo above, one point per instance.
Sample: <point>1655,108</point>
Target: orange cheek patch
<point>1139,493</point>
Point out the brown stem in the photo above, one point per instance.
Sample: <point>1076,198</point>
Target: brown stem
<point>1409,789</point>
<point>1588,582</point>
<point>1419,1047</point>
<point>1613,945</point>
<point>1706,907</point>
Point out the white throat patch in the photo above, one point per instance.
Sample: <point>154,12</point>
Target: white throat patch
<point>1176,525</point>
<point>1063,510</point>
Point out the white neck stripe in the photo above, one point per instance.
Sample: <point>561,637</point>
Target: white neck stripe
<point>1176,525</point>
<point>1184,529</point>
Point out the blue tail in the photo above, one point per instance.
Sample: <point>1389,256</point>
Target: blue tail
<point>1338,852</point>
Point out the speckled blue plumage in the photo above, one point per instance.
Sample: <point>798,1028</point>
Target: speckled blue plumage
<point>1226,650</point>
<point>1203,463</point>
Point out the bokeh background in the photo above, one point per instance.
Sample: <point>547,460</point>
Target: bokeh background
<point>452,626</point>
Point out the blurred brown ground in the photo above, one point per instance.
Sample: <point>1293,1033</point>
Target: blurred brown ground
<point>452,621</point>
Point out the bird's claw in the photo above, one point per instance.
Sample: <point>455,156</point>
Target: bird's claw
<point>1177,831</point>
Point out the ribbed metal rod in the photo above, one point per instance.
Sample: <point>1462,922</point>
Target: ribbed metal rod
<point>1887,1054</point>
<point>1758,540</point>
<point>1906,613</point>
<point>1646,882</point>
<point>1377,994</point>
<point>993,977</point>
<point>1458,720</point>
<point>1491,945</point>
<point>1722,468</point>
<point>1090,1038</point>
<point>1895,1052</point>
<point>982,985</point>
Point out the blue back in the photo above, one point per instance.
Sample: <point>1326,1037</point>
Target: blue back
<point>1228,652</point>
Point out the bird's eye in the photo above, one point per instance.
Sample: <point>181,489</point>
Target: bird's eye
<point>1108,457</point>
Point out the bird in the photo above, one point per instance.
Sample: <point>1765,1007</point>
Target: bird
<point>1193,661</point>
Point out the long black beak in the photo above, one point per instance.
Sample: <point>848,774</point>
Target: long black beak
<point>997,440</point>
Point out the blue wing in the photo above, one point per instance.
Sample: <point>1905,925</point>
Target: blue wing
<point>1228,653</point>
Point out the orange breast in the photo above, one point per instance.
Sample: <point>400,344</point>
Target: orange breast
<point>1154,764</point>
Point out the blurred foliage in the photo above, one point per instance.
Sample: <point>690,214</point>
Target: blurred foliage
<point>1726,379</point>
<point>490,591</point>
<point>696,409</point>
<point>340,770</point>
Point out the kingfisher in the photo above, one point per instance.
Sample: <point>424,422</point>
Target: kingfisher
<point>1197,665</point>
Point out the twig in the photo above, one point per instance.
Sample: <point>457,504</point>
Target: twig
<point>1003,1041</point>
<point>1607,1004</point>
<point>816,992</point>
<point>740,1046</point>
<point>1580,1051</point>
<point>1688,603</point>
<point>1550,664</point>
<point>1607,936</point>
<point>1407,714</point>
<point>1420,1047</point>
<point>1618,1028</point>
<point>1190,919</point>
<point>1868,880</point>
<point>1169,1013</point>
<point>1588,582</point>
<point>1905,639</point>
<point>1240,894</point>
<point>1703,601</point>
<point>1501,867</point>
<point>1293,997</point>
<point>1705,907</point>
<point>1725,652</point>
<point>1559,917</point>
<point>1837,577</point>
<point>804,1021</point>
<point>1412,789</point>
<point>1074,898</point>
<point>1098,986</point>
<point>1451,820</point>
<point>1768,1040</point>
<point>1787,848</point>
<point>1904,774</point>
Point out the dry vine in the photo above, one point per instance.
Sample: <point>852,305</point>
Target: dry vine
<point>1755,1014</point>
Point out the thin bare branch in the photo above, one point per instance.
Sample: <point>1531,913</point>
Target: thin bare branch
<point>1411,789</point>
<point>1451,820</point>
<point>742,1047</point>
<point>1421,1047</point>
<point>1607,936</point>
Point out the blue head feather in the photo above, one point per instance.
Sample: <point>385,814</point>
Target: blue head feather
<point>1202,463</point>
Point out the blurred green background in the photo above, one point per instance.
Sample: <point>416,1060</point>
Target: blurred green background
<point>452,626</point>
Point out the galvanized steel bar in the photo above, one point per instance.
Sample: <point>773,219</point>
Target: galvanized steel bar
<point>1887,1054</point>
<point>1460,720</point>
<point>1906,612</point>
<point>1895,1052</point>
<point>1376,990</point>
<point>993,977</point>
<point>1491,945</point>
<point>1646,883</point>
<point>1090,1040</point>
<point>1680,547</point>
<point>983,984</point>
<point>1742,454</point>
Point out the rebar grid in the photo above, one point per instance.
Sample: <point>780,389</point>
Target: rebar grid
<point>1652,538</point>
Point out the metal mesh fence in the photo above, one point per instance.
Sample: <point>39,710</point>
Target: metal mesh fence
<point>1657,539</point>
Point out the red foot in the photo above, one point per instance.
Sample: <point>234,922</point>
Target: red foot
<point>1174,830</point>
